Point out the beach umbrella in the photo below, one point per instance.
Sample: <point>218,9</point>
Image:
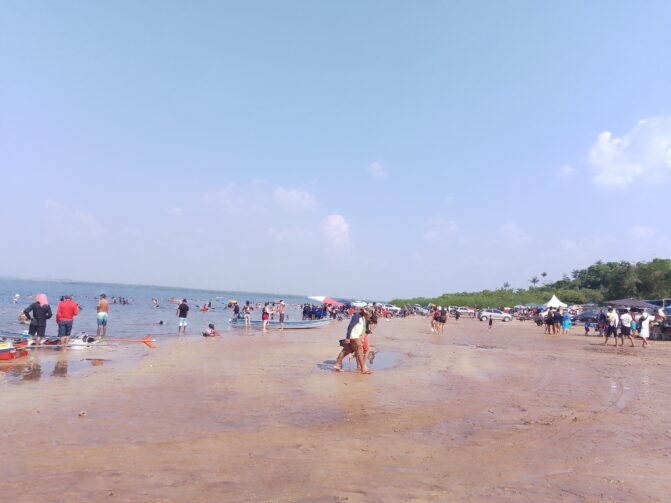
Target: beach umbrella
<point>318,298</point>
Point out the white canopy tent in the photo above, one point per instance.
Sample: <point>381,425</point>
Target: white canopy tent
<point>554,302</point>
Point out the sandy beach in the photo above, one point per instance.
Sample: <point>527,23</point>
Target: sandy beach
<point>473,415</point>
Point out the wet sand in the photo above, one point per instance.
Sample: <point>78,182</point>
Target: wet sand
<point>475,415</point>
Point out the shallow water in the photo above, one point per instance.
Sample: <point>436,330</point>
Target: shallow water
<point>134,320</point>
<point>377,360</point>
<point>50,364</point>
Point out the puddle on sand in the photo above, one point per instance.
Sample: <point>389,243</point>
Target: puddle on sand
<point>379,360</point>
<point>35,368</point>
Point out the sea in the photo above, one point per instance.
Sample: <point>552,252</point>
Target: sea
<point>133,320</point>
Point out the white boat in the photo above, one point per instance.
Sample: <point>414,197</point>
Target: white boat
<point>287,324</point>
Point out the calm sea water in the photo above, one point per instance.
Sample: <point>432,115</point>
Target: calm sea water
<point>137,318</point>
<point>134,320</point>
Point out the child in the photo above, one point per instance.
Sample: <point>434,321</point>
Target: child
<point>211,332</point>
<point>587,327</point>
<point>490,323</point>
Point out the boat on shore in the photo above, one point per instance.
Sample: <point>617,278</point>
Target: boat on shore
<point>9,352</point>
<point>302,324</point>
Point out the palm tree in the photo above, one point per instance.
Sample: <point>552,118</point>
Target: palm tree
<point>534,281</point>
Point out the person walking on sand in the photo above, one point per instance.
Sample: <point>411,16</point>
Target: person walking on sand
<point>625,328</point>
<point>37,314</point>
<point>549,322</point>
<point>247,313</point>
<point>354,344</point>
<point>65,314</point>
<point>182,312</point>
<point>566,322</point>
<point>489,323</point>
<point>102,316</point>
<point>436,319</point>
<point>644,329</point>
<point>442,319</point>
<point>611,326</point>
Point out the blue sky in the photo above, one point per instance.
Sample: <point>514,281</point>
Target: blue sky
<point>363,149</point>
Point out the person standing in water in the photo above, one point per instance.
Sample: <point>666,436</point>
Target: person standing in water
<point>182,312</point>
<point>38,313</point>
<point>280,310</point>
<point>265,316</point>
<point>247,312</point>
<point>353,343</point>
<point>65,314</point>
<point>102,309</point>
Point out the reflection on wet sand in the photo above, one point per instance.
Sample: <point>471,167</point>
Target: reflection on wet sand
<point>31,368</point>
<point>61,366</point>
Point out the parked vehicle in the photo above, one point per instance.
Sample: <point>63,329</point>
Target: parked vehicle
<point>494,314</point>
<point>420,310</point>
<point>390,307</point>
<point>466,312</point>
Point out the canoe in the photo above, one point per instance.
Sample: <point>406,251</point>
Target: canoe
<point>287,324</point>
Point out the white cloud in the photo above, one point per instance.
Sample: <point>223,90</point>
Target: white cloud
<point>335,230</point>
<point>512,235</point>
<point>567,244</point>
<point>294,199</point>
<point>227,197</point>
<point>377,170</point>
<point>641,231</point>
<point>258,197</point>
<point>644,153</point>
<point>565,171</point>
<point>174,212</point>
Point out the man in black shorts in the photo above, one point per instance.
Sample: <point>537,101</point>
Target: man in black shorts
<point>38,313</point>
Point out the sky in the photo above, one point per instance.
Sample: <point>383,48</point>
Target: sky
<point>361,149</point>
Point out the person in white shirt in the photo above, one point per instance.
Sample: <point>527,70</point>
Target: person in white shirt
<point>625,328</point>
<point>644,330</point>
<point>611,328</point>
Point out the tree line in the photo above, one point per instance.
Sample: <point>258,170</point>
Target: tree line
<point>602,281</point>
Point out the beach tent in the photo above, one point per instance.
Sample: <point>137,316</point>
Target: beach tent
<point>554,302</point>
<point>326,300</point>
<point>632,303</point>
<point>333,302</point>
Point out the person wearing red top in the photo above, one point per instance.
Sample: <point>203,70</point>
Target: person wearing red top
<point>67,310</point>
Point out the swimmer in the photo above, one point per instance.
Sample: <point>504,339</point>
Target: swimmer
<point>211,331</point>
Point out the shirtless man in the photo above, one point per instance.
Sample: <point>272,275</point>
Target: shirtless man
<point>103,312</point>
<point>280,310</point>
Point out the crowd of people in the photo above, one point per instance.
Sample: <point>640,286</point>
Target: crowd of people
<point>39,312</point>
